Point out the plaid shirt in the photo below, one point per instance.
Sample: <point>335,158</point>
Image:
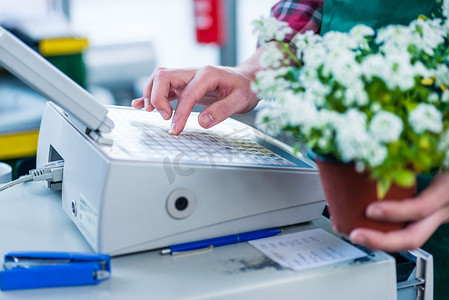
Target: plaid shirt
<point>301,15</point>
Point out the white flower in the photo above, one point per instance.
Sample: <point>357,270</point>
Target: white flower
<point>426,117</point>
<point>375,107</point>
<point>359,33</point>
<point>356,117</point>
<point>394,38</point>
<point>339,63</point>
<point>356,94</point>
<point>304,40</point>
<point>351,135</point>
<point>326,122</point>
<point>445,96</point>
<point>270,29</point>
<point>327,117</point>
<point>335,100</point>
<point>269,83</point>
<point>433,98</point>
<point>299,111</point>
<point>314,56</point>
<point>427,34</point>
<point>375,154</point>
<point>339,41</point>
<point>441,74</point>
<point>323,143</point>
<point>445,8</point>
<point>421,70</point>
<point>355,143</point>
<point>317,92</point>
<point>443,144</point>
<point>271,57</point>
<point>401,73</point>
<point>343,67</point>
<point>269,120</point>
<point>374,66</point>
<point>385,127</point>
<point>395,69</point>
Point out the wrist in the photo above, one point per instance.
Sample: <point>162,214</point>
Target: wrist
<point>251,66</point>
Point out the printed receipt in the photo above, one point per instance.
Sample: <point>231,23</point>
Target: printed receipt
<point>307,249</point>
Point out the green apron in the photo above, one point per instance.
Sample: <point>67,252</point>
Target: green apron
<point>438,246</point>
<point>342,15</point>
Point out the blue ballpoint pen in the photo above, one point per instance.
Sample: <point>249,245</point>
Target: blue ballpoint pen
<point>221,241</point>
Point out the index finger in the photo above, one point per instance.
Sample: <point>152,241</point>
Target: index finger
<point>204,81</point>
<point>163,81</point>
<point>411,237</point>
<point>427,202</point>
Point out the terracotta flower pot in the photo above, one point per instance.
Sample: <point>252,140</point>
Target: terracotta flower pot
<point>348,193</point>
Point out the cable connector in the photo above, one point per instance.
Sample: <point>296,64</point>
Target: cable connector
<point>52,172</point>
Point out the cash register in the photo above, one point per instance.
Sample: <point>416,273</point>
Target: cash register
<point>129,186</point>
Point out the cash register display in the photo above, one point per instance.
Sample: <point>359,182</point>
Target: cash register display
<point>142,135</point>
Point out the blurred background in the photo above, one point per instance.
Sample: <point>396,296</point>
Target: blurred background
<point>110,47</point>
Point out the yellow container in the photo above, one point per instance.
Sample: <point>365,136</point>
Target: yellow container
<point>18,145</point>
<point>62,46</point>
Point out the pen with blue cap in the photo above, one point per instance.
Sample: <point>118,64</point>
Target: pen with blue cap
<point>221,241</point>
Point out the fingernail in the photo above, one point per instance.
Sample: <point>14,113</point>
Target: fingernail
<point>357,238</point>
<point>207,119</point>
<point>375,212</point>
<point>137,103</point>
<point>172,129</point>
<point>146,102</point>
<point>164,114</point>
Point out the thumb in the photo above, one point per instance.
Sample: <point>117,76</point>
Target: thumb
<point>221,110</point>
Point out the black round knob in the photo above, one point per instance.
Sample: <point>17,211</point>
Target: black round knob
<point>181,203</point>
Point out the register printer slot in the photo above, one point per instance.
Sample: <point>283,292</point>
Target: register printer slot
<point>129,186</point>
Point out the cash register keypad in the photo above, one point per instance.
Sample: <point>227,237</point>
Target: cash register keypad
<point>140,135</point>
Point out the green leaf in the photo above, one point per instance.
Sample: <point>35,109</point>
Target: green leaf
<point>383,185</point>
<point>296,148</point>
<point>405,178</point>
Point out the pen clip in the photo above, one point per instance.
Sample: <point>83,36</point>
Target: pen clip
<point>192,252</point>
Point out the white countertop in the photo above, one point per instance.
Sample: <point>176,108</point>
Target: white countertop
<point>31,219</point>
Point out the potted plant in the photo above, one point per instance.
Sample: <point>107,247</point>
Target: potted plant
<point>376,102</point>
